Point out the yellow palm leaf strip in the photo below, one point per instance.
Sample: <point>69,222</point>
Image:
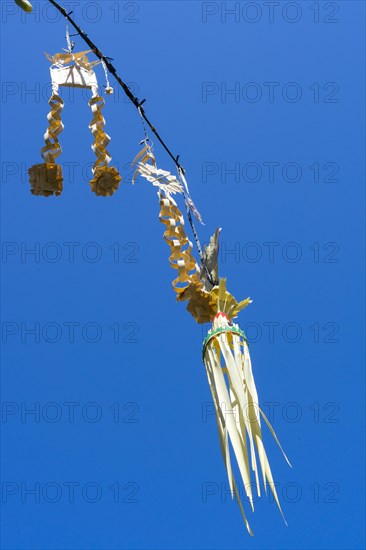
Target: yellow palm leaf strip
<point>226,303</point>
<point>101,139</point>
<point>181,257</point>
<point>253,412</point>
<point>238,350</point>
<point>61,59</point>
<point>236,392</point>
<point>212,357</point>
<point>274,436</point>
<point>52,149</point>
<point>224,439</point>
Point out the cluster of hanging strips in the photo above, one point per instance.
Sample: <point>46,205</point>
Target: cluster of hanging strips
<point>74,70</point>
<point>225,349</point>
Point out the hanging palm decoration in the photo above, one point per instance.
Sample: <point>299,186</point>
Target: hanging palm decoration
<point>74,70</point>
<point>225,350</point>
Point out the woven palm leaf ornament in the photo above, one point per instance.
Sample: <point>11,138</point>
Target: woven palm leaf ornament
<point>76,71</point>
<point>225,351</point>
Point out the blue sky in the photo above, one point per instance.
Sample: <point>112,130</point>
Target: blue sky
<point>265,105</point>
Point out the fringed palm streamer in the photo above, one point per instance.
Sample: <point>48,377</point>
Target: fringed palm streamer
<point>224,441</point>
<point>101,138</point>
<point>52,149</point>
<point>229,371</point>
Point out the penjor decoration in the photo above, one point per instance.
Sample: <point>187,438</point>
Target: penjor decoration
<point>225,350</point>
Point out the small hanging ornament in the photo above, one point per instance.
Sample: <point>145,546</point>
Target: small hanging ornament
<point>74,70</point>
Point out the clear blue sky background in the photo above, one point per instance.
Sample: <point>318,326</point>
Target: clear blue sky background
<point>135,351</point>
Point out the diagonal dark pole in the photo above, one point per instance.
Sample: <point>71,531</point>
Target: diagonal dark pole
<point>138,104</point>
